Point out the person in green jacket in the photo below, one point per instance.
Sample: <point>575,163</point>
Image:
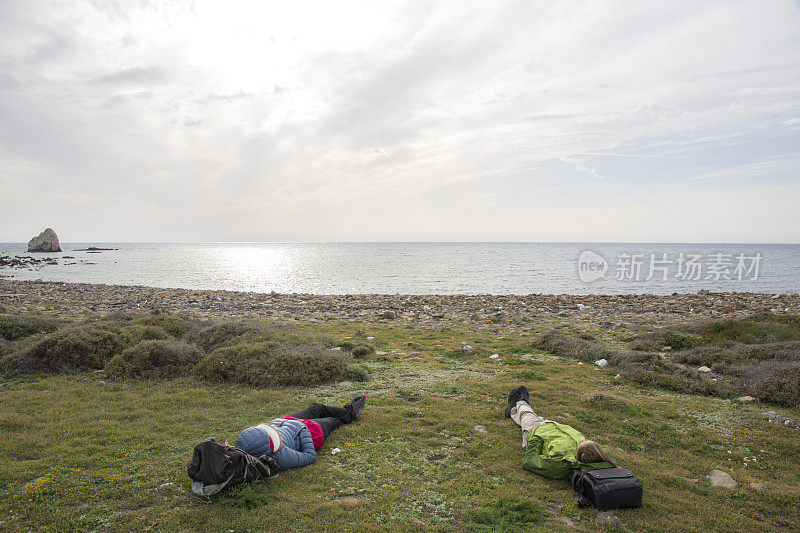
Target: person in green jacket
<point>551,449</point>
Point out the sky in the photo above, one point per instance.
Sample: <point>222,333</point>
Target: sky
<point>612,121</point>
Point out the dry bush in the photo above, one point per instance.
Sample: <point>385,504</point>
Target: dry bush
<point>774,381</point>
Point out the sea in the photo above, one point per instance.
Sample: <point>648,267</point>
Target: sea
<point>424,267</point>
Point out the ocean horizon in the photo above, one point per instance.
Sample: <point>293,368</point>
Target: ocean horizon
<point>424,267</point>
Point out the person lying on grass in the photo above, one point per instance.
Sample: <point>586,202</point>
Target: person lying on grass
<point>552,449</point>
<point>293,440</point>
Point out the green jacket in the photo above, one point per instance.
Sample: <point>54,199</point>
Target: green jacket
<point>551,451</point>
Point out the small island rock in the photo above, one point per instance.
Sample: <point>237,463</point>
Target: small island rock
<point>46,241</point>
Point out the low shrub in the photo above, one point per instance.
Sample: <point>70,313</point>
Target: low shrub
<point>774,381</point>
<point>154,359</point>
<point>679,381</point>
<point>757,329</point>
<point>224,334</point>
<point>778,351</point>
<point>718,358</point>
<point>568,346</point>
<point>362,350</point>
<point>657,340</point>
<point>298,366</point>
<point>174,325</point>
<point>737,359</point>
<point>75,348</point>
<point>90,345</point>
<point>606,402</point>
<point>147,332</point>
<point>355,372</point>
<point>13,327</point>
<point>630,360</point>
<point>273,363</point>
<point>347,346</point>
<point>233,333</point>
<point>509,513</point>
<point>654,370</point>
<point>9,361</point>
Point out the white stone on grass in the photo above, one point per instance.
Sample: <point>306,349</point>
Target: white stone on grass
<point>718,478</point>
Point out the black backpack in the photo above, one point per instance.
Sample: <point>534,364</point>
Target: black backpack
<point>607,488</point>
<point>216,465</point>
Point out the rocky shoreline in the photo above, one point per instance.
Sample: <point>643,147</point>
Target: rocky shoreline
<point>508,311</point>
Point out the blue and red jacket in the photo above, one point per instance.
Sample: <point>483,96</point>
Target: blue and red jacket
<point>298,444</point>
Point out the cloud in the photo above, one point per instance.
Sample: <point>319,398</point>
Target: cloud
<point>258,120</point>
<point>133,76</point>
<point>580,165</point>
<point>762,169</point>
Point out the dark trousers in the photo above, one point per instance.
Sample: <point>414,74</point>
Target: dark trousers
<point>327,416</point>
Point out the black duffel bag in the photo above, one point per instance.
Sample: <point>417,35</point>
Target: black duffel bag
<point>607,488</point>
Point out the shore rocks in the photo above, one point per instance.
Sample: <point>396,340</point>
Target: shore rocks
<point>525,313</point>
<point>25,261</point>
<point>46,241</point>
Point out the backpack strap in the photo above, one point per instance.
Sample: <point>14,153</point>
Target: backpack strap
<point>205,491</point>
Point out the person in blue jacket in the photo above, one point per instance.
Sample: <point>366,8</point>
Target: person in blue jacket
<point>293,440</point>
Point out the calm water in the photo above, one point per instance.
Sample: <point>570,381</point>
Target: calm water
<point>427,268</point>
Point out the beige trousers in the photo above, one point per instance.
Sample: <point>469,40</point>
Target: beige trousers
<point>524,416</point>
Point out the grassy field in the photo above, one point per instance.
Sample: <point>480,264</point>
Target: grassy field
<point>82,451</point>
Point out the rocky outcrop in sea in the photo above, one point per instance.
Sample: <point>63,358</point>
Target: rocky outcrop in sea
<point>46,241</point>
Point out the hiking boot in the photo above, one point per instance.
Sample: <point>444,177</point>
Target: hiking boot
<point>513,398</point>
<point>357,404</point>
<point>523,393</point>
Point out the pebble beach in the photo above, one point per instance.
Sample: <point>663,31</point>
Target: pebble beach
<point>479,311</point>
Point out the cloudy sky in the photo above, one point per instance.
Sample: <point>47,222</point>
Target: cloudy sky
<point>453,120</point>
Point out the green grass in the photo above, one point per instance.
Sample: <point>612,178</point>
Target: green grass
<point>82,452</point>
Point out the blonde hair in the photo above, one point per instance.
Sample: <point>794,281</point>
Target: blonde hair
<point>590,452</point>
